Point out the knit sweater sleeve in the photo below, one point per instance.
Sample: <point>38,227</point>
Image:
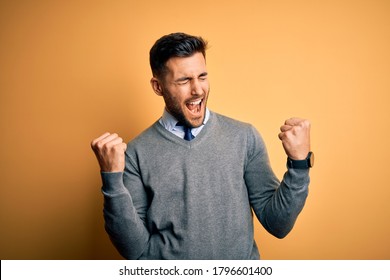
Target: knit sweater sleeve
<point>276,204</point>
<point>125,206</point>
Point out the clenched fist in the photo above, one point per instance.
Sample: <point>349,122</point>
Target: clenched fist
<point>110,152</point>
<point>295,136</point>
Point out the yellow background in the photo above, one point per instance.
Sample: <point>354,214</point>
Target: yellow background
<point>71,70</point>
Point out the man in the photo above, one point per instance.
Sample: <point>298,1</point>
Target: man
<point>185,187</point>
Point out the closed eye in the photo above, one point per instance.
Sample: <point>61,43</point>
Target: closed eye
<point>183,80</point>
<point>203,76</point>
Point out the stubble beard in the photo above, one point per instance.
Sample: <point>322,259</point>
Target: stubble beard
<point>174,108</point>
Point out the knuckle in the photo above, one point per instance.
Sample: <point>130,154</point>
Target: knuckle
<point>100,145</point>
<point>294,130</point>
<point>115,147</point>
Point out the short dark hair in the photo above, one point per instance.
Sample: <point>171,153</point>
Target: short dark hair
<point>174,45</point>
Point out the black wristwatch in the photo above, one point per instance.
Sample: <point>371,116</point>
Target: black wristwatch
<point>306,163</point>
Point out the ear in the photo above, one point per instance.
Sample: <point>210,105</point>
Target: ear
<point>157,86</point>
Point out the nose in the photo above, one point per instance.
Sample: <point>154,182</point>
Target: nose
<point>196,87</point>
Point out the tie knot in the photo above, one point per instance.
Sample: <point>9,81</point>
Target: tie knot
<point>187,131</point>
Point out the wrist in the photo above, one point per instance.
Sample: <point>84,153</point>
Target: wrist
<point>306,163</point>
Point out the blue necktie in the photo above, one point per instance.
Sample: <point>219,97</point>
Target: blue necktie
<point>187,132</point>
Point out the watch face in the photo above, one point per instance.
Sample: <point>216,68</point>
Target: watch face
<point>311,159</point>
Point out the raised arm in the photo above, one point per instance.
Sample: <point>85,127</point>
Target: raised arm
<point>124,212</point>
<point>278,204</point>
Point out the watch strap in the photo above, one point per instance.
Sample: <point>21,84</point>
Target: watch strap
<point>300,164</point>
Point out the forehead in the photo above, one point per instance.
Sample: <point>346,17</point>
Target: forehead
<point>192,65</point>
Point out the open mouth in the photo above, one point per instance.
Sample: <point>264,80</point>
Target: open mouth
<point>195,106</point>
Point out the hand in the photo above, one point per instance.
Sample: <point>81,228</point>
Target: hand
<point>110,152</point>
<point>295,136</point>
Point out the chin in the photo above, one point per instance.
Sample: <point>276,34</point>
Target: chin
<point>196,122</point>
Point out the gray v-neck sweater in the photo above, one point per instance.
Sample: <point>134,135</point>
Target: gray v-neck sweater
<point>193,200</point>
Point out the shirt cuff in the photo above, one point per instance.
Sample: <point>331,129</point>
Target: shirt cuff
<point>297,178</point>
<point>112,182</point>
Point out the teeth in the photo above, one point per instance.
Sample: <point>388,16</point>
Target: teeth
<point>195,102</point>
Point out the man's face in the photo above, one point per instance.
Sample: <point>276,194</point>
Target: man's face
<point>185,88</point>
